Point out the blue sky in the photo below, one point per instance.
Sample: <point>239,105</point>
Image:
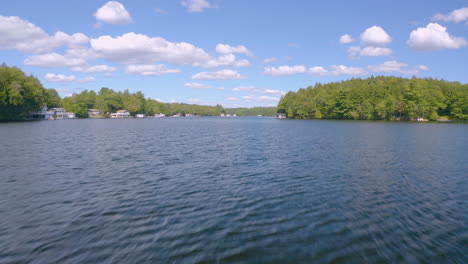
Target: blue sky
<point>235,53</point>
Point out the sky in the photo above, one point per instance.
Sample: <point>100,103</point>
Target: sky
<point>240,53</point>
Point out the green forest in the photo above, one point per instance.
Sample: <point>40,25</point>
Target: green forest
<point>21,94</point>
<point>379,98</point>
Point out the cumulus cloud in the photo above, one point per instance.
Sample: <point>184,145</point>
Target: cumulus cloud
<point>284,70</point>
<point>356,52</point>
<point>87,79</point>
<point>339,70</point>
<point>197,86</point>
<point>457,16</point>
<point>226,49</point>
<point>253,89</point>
<point>225,60</point>
<point>375,36</point>
<point>197,6</point>
<point>242,63</point>
<point>263,98</point>
<point>53,60</point>
<point>345,39</point>
<point>318,71</point>
<point>150,69</point>
<point>225,74</point>
<point>434,37</point>
<point>269,60</point>
<point>93,69</point>
<point>397,67</point>
<point>388,66</point>
<point>422,67</point>
<point>52,77</point>
<point>22,35</point>
<point>134,48</point>
<point>113,12</point>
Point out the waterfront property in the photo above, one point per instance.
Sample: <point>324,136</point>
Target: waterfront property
<point>121,114</point>
<point>140,115</point>
<point>53,113</point>
<point>93,112</point>
<point>280,115</point>
<point>61,113</point>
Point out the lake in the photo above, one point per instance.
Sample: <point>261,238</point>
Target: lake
<point>233,190</point>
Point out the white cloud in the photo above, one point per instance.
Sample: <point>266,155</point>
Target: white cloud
<point>242,63</point>
<point>422,67</point>
<point>339,70</point>
<point>113,12</point>
<point>134,48</point>
<point>52,60</point>
<point>253,98</point>
<point>52,77</point>
<point>93,69</point>
<point>388,66</point>
<point>253,89</point>
<point>397,67</point>
<point>150,69</point>
<point>434,37</point>
<point>22,35</point>
<point>87,79</point>
<point>196,6</point>
<point>356,52</point>
<point>232,99</point>
<point>318,71</point>
<point>225,74</point>
<point>197,86</point>
<point>345,39</point>
<point>375,36</point>
<point>456,16</point>
<point>284,70</point>
<point>226,49</point>
<point>269,60</point>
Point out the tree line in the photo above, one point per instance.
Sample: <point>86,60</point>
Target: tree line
<point>379,98</point>
<point>21,94</point>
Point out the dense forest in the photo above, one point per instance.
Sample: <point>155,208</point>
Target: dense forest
<point>21,94</point>
<point>379,98</point>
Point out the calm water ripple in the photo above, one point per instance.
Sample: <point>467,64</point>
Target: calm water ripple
<point>233,190</point>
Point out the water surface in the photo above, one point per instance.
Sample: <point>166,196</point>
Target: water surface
<point>233,190</point>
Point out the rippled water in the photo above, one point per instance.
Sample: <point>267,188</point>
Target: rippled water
<point>233,190</point>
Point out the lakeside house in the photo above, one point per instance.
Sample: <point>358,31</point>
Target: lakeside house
<point>93,112</point>
<point>160,115</point>
<point>61,113</point>
<point>53,113</point>
<point>120,114</point>
<point>280,115</point>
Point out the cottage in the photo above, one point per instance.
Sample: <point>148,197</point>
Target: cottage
<point>93,112</point>
<point>121,114</point>
<point>281,116</point>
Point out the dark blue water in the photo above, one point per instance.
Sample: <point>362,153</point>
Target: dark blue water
<point>233,190</point>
